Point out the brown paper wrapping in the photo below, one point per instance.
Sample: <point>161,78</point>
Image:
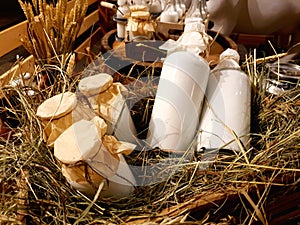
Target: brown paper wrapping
<point>140,15</point>
<point>111,103</point>
<point>60,112</point>
<point>101,125</point>
<point>54,128</point>
<point>82,142</point>
<point>93,85</point>
<point>88,158</point>
<point>117,147</point>
<point>135,8</point>
<point>113,108</point>
<point>83,178</point>
<point>57,106</point>
<point>140,24</point>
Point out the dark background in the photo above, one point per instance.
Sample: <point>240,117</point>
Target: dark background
<point>10,13</point>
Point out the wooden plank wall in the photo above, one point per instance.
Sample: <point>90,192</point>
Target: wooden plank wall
<point>10,40</point>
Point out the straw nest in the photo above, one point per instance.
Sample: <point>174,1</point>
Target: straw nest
<point>237,188</point>
<point>254,186</point>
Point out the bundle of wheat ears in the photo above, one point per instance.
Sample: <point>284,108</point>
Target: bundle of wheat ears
<point>52,29</point>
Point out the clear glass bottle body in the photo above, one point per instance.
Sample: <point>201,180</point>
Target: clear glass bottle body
<point>197,11</point>
<point>179,9</point>
<point>169,14</point>
<point>121,20</point>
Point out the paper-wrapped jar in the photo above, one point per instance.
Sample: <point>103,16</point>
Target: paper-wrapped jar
<point>92,86</point>
<point>109,103</point>
<point>140,26</point>
<point>60,112</point>
<point>87,162</point>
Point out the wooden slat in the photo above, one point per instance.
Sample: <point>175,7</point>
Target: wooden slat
<point>89,21</point>
<point>10,38</point>
<point>82,49</point>
<point>92,1</point>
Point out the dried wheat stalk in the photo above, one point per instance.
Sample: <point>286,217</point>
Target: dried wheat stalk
<point>52,29</point>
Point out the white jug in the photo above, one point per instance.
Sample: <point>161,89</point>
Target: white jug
<point>225,120</point>
<point>178,102</point>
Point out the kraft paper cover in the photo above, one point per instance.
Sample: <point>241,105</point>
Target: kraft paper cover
<point>101,126</point>
<point>117,147</point>
<point>93,85</point>
<point>134,8</point>
<point>57,106</point>
<point>53,128</point>
<point>81,143</point>
<point>140,27</point>
<point>141,15</point>
<point>83,178</point>
<point>86,159</point>
<point>55,115</point>
<point>111,102</point>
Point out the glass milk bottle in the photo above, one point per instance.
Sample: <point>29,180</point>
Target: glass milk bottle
<point>178,102</point>
<point>225,120</point>
<point>121,19</point>
<point>169,14</point>
<point>197,12</point>
<point>180,8</point>
<point>108,102</point>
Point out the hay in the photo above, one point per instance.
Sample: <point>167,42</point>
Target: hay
<point>236,188</point>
